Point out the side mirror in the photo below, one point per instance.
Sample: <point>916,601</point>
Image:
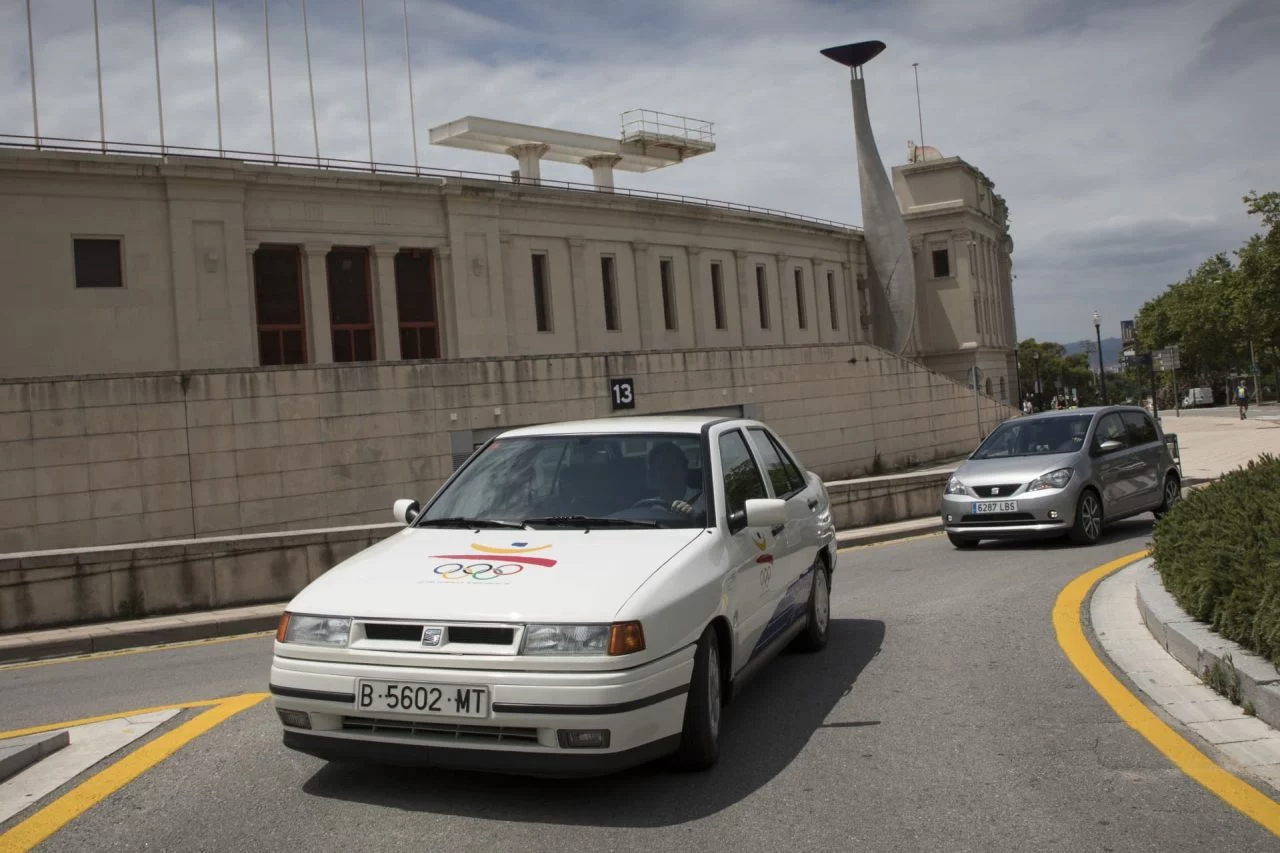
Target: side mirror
<point>406,510</point>
<point>765,512</point>
<point>1111,446</point>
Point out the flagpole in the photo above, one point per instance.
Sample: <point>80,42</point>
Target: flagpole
<point>315,127</point>
<point>31,52</point>
<point>408,64</point>
<point>217,88</point>
<point>368,114</point>
<point>271,102</point>
<point>155,38</point>
<point>97,50</point>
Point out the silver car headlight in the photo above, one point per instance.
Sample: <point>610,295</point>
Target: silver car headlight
<point>314,630</point>
<point>1053,480</point>
<point>620,638</point>
<point>955,487</point>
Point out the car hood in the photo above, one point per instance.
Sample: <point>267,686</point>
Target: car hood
<point>1015,469</point>
<point>494,575</point>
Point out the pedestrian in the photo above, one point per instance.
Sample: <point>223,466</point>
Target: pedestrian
<point>1242,399</point>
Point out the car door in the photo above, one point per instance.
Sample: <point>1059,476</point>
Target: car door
<point>1145,442</point>
<point>751,554</point>
<point>1116,468</point>
<point>794,559</point>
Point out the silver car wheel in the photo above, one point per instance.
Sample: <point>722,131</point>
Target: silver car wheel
<point>1171,492</point>
<point>1091,516</point>
<point>713,691</point>
<point>821,600</point>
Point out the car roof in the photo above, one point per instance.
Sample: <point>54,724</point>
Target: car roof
<point>1086,410</point>
<point>691,424</point>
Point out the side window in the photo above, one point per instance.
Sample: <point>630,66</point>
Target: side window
<point>794,476</point>
<point>742,481</point>
<point>1110,428</point>
<point>774,467</point>
<point>1141,429</point>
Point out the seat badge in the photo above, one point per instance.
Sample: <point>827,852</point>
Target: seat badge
<point>994,491</point>
<point>432,635</point>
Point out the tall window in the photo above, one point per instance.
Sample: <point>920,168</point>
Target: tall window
<point>941,263</point>
<point>541,297</point>
<point>98,262</point>
<point>667,271</point>
<point>762,295</point>
<point>832,302</point>
<point>416,304</point>
<point>277,295</point>
<point>717,295</point>
<point>350,305</point>
<point>802,310</point>
<point>609,279</point>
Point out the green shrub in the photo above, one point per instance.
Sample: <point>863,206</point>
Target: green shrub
<point>1218,552</point>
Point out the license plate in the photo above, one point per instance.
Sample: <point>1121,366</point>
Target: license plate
<point>995,506</point>
<point>430,700</point>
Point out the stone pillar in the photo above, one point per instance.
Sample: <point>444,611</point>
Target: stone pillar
<point>696,295</point>
<point>640,254</point>
<point>447,309</point>
<point>746,300</point>
<point>251,286</point>
<point>601,167</point>
<point>319,329</point>
<point>386,310</point>
<point>852,303</point>
<point>508,295</point>
<point>785,286</point>
<point>582,313</point>
<point>529,156</point>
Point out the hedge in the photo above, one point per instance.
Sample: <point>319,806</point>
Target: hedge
<point>1218,551</point>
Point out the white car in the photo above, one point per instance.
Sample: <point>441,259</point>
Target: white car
<point>576,599</point>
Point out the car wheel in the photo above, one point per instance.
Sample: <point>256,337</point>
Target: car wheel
<point>1171,493</point>
<point>962,543</point>
<point>1088,525</point>
<point>700,739</point>
<point>814,636</point>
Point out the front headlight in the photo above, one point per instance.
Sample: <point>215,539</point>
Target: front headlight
<point>1053,480</point>
<point>618,639</point>
<point>955,487</point>
<point>314,630</point>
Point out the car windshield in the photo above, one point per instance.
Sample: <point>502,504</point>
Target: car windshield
<point>606,480</point>
<point>1035,437</point>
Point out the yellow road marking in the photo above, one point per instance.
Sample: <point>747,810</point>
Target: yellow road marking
<point>35,730</point>
<point>85,796</point>
<point>1067,625</point>
<point>209,641</point>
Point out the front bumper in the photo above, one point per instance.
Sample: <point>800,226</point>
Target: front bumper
<point>641,708</point>
<point>1046,513</point>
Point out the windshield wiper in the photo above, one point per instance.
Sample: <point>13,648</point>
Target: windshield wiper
<point>589,521</point>
<point>463,521</point>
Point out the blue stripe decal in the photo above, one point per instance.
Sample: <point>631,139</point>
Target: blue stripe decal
<point>791,609</point>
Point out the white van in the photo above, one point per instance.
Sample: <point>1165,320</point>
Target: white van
<point>1198,397</point>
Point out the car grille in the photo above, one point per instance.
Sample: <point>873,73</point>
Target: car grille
<point>996,491</point>
<point>412,633</point>
<point>460,733</point>
<point>992,519</point>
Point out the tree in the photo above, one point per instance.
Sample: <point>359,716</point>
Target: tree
<point>1058,371</point>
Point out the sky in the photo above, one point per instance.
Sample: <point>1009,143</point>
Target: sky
<point>1122,133</point>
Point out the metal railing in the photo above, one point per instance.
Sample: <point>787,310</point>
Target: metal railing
<point>653,125</point>
<point>153,150</point>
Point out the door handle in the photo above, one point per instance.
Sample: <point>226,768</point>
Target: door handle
<point>778,529</point>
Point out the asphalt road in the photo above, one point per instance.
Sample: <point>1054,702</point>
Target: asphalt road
<point>942,716</point>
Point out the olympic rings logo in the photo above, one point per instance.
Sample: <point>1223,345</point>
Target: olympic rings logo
<point>476,571</point>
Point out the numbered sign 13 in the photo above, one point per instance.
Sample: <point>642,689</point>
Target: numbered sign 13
<point>622,393</point>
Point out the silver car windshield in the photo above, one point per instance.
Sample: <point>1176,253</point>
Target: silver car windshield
<point>1035,437</point>
<point>653,479</point>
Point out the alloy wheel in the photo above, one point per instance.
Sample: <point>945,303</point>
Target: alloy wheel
<point>713,691</point>
<point>1091,517</point>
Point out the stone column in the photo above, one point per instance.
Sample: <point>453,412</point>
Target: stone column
<point>529,156</point>
<point>447,308</point>
<point>852,303</point>
<point>746,303</point>
<point>695,297</point>
<point>508,295</point>
<point>251,285</point>
<point>785,285</point>
<point>640,255</point>
<point>601,167</point>
<point>386,309</point>
<point>581,304</point>
<point>319,329</point>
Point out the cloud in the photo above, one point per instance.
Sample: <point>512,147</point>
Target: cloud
<point>1122,134</point>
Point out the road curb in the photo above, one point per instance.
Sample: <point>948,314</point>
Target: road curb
<point>856,537</point>
<point>17,754</point>
<point>1197,647</point>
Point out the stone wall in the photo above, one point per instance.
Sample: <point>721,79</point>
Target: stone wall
<point>104,460</point>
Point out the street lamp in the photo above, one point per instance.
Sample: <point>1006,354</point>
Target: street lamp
<point>1035,357</point>
<point>1102,371</point>
<point>977,400</point>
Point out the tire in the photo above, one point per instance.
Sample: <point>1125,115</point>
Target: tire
<point>700,739</point>
<point>814,636</point>
<point>962,543</point>
<point>1171,493</point>
<point>1088,524</point>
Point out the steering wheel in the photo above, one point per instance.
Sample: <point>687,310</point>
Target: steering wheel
<point>645,503</point>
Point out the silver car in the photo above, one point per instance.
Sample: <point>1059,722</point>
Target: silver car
<point>1065,473</point>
